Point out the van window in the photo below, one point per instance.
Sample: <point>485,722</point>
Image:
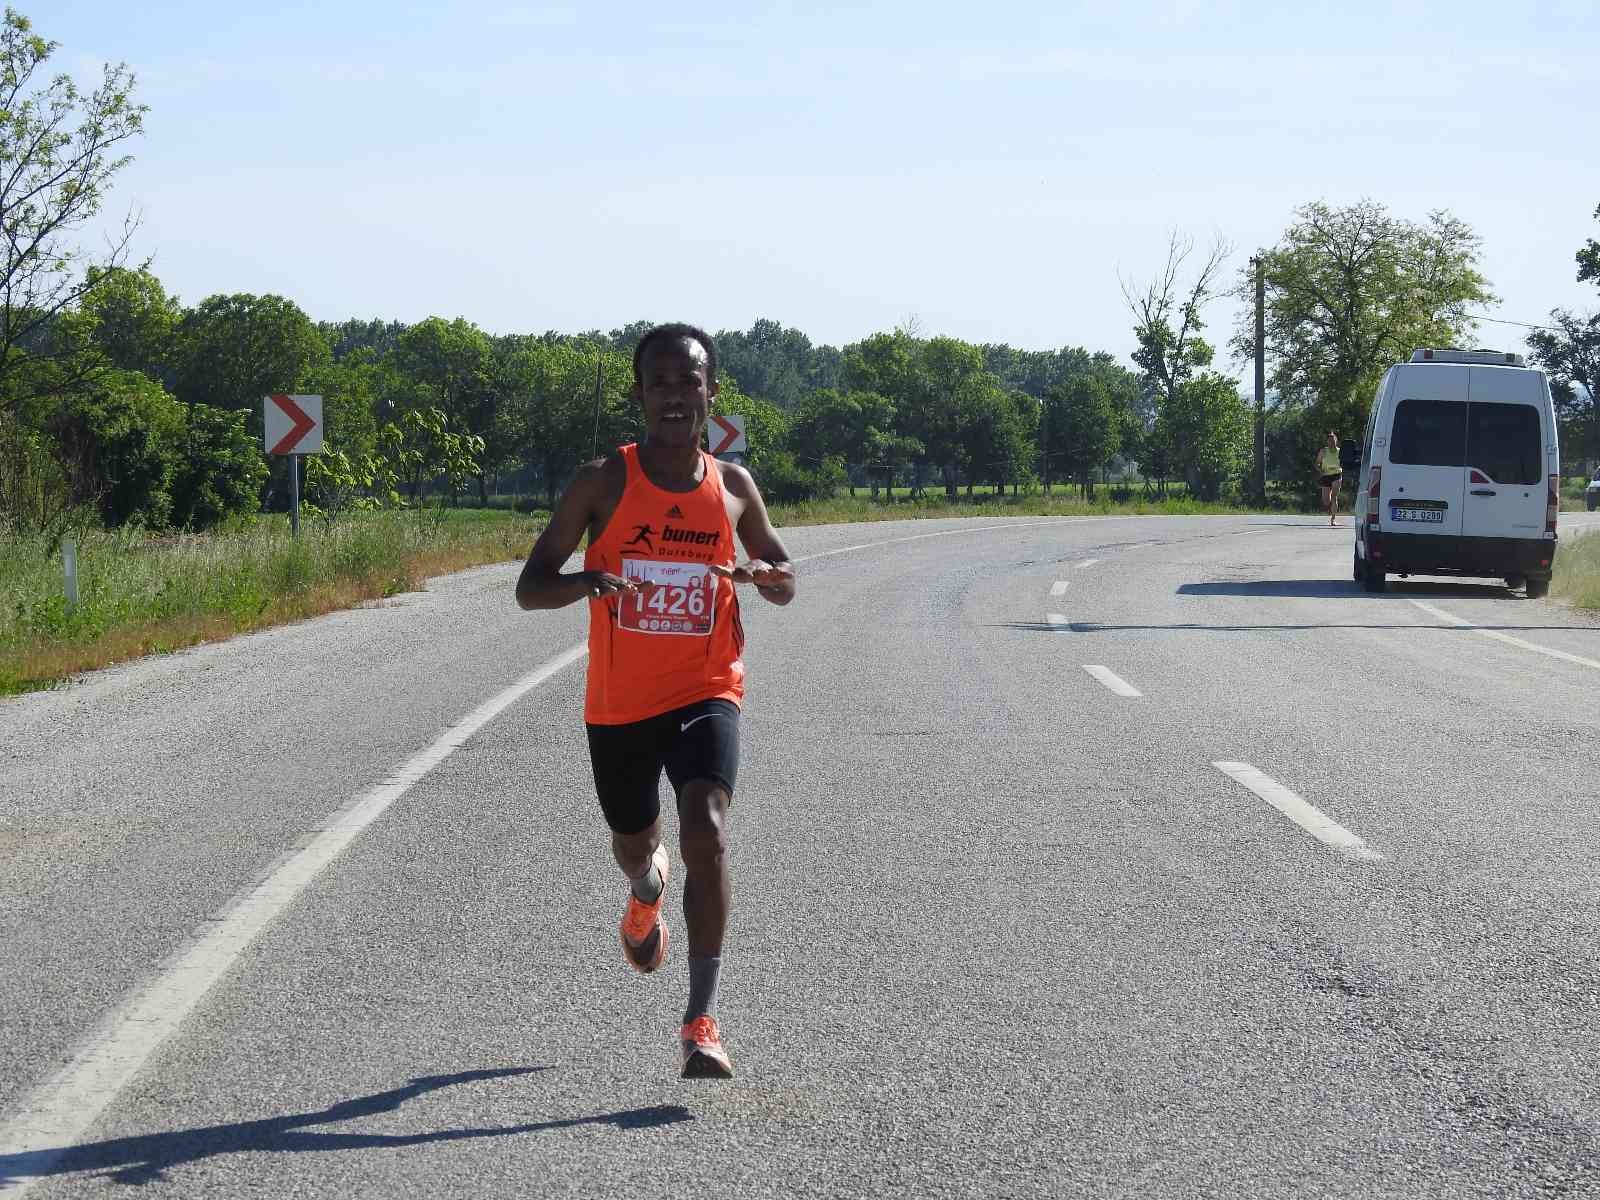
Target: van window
<point>1503,442</point>
<point>1429,433</point>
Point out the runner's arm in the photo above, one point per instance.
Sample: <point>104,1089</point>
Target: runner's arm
<point>542,583</point>
<point>769,567</point>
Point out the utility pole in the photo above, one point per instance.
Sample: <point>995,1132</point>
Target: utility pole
<point>599,388</point>
<point>1261,380</point>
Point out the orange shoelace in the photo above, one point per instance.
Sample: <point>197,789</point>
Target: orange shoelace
<point>640,919</point>
<point>702,1031</point>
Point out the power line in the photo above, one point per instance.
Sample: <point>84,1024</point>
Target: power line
<point>1524,324</point>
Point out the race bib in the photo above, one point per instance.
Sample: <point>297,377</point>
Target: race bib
<point>677,600</point>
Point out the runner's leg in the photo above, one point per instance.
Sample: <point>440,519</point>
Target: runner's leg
<point>703,766</point>
<point>627,773</point>
<point>703,842</point>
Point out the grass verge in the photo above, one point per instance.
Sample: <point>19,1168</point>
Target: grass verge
<point>141,596</point>
<point>1577,571</point>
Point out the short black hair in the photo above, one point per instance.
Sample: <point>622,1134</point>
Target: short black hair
<point>674,332</point>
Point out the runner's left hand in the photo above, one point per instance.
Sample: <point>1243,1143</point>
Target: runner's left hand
<point>757,571</point>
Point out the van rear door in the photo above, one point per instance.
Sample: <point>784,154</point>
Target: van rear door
<point>1423,483</point>
<point>1506,488</point>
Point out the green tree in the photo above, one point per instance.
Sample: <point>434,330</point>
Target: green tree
<point>236,350</point>
<point>999,442</point>
<point>1173,358</point>
<point>454,362</point>
<point>1570,352</point>
<point>551,401</point>
<point>777,364</point>
<point>948,384</point>
<point>1081,418</point>
<point>850,427</point>
<point>1211,429</point>
<point>59,150</point>
<point>1589,258</point>
<point>1351,291</point>
<point>128,318</point>
<point>345,338</point>
<point>349,388</point>
<point>119,440</point>
<point>221,471</point>
<point>421,447</point>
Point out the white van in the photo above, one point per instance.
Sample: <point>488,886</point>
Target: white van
<point>1460,473</point>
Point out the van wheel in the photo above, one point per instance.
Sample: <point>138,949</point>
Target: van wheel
<point>1355,571</point>
<point>1515,581</point>
<point>1538,588</point>
<point>1374,579</point>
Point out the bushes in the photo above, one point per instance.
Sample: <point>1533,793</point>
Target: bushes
<point>221,472</point>
<point>785,481</point>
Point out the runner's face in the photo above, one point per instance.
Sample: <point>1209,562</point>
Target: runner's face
<point>676,397</point>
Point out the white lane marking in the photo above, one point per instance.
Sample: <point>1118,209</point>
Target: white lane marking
<point>1056,618</point>
<point>1041,523</point>
<point>55,1115</point>
<point>1310,818</point>
<point>1506,637</point>
<point>1113,681</point>
<point>1058,588</point>
<point>1088,562</point>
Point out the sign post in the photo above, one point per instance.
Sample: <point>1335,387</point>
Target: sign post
<point>725,435</point>
<point>293,426</point>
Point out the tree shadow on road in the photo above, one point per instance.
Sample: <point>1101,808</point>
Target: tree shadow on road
<point>146,1158</point>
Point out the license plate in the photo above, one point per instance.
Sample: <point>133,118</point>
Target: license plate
<point>1407,513</point>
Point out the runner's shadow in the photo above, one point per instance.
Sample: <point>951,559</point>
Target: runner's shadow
<point>146,1158</point>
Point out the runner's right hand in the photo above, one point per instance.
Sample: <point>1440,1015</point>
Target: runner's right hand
<point>603,584</point>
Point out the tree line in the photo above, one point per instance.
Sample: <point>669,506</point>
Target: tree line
<point>119,400</point>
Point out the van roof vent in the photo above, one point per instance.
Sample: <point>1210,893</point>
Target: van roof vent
<point>1499,358</point>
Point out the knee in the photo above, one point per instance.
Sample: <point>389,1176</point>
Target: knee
<point>633,850</point>
<point>703,827</point>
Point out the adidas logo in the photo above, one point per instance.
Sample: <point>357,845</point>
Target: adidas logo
<point>675,511</point>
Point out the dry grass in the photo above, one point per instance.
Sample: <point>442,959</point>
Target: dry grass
<point>148,596</point>
<point>1577,571</point>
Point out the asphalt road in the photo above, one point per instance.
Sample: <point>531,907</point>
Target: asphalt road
<point>1002,928</point>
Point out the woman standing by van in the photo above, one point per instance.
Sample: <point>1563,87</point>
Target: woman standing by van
<point>1330,475</point>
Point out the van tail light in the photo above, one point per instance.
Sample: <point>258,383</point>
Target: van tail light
<point>1372,495</point>
<point>1552,505</point>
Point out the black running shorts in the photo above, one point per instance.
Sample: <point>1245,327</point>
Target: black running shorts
<point>699,741</point>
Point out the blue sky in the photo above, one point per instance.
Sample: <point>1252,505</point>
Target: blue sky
<point>990,170</point>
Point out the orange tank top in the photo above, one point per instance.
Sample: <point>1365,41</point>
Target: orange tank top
<point>678,641</point>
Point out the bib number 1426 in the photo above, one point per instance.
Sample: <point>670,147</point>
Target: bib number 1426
<point>676,598</point>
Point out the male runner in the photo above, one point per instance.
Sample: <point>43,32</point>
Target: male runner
<point>665,676</point>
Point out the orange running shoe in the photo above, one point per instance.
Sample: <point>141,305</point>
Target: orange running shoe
<point>644,933</point>
<point>703,1055</point>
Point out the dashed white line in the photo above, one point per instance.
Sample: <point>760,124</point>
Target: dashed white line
<point>1088,562</point>
<point>1058,588</point>
<point>1506,637</point>
<point>1056,618</point>
<point>1310,818</point>
<point>1113,681</point>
